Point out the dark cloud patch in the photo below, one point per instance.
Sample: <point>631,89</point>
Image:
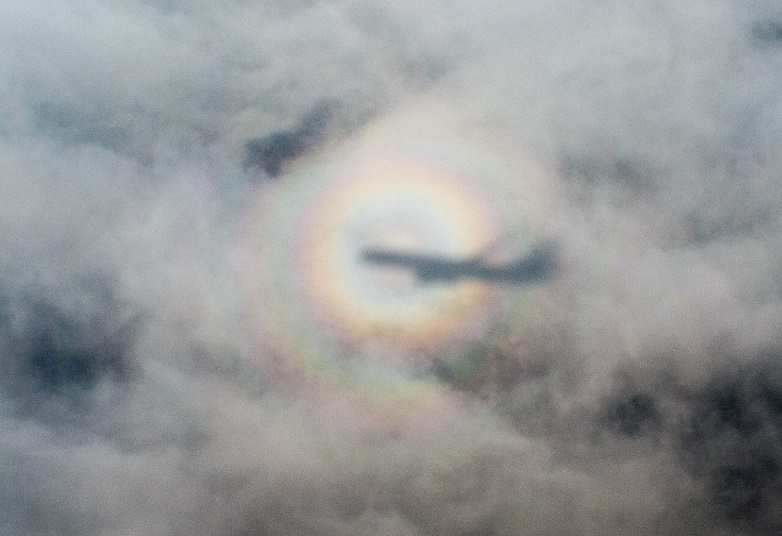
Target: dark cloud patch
<point>703,227</point>
<point>469,370</point>
<point>768,32</point>
<point>626,172</point>
<point>631,415</point>
<point>271,153</point>
<point>733,439</point>
<point>63,350</point>
<point>726,433</point>
<point>82,126</point>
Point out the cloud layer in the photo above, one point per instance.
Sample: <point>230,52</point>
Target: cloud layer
<point>641,394</point>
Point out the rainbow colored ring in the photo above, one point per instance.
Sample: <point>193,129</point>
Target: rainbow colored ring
<point>330,316</point>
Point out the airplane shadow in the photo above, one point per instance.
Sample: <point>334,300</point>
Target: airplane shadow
<point>537,265</point>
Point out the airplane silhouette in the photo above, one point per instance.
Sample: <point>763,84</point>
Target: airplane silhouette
<point>537,265</point>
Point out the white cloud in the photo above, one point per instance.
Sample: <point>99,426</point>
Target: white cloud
<point>640,393</point>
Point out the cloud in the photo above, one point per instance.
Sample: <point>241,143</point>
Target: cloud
<point>150,382</point>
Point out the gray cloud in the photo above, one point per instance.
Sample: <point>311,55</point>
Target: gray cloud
<point>642,395</point>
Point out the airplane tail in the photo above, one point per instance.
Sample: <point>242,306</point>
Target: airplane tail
<point>536,265</point>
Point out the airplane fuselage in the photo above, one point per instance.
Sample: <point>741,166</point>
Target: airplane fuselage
<point>437,268</point>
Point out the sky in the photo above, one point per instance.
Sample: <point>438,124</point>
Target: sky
<point>192,340</point>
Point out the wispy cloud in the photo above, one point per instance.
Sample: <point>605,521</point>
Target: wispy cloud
<point>636,391</point>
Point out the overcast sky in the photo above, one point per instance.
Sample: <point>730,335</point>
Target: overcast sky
<point>640,392</point>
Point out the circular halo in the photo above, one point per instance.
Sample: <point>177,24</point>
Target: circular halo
<point>328,313</point>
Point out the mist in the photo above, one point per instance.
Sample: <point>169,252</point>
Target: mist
<point>157,374</point>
